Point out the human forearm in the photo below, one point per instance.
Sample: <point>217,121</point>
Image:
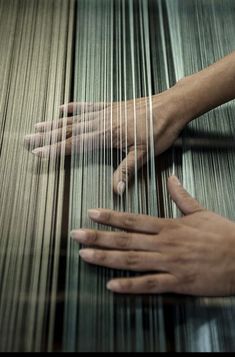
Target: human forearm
<point>208,88</point>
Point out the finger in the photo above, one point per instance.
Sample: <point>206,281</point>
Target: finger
<point>129,221</point>
<point>53,124</point>
<point>135,261</point>
<point>60,123</point>
<point>126,170</point>
<point>81,107</point>
<point>57,135</point>
<point>115,240</point>
<point>62,148</point>
<point>33,140</point>
<point>148,284</point>
<point>184,201</point>
<point>76,144</point>
<point>44,139</point>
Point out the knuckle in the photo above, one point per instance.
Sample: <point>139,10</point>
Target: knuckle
<point>189,278</point>
<point>129,221</point>
<point>192,204</point>
<point>183,193</point>
<point>91,236</point>
<point>115,131</point>
<point>125,172</point>
<point>106,216</point>
<point>104,134</point>
<point>151,283</point>
<point>197,208</point>
<point>69,132</point>
<point>99,255</point>
<point>132,259</point>
<point>177,259</point>
<point>168,242</point>
<point>123,241</point>
<point>126,284</point>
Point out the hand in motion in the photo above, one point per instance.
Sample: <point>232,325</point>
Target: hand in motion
<point>124,125</point>
<point>193,255</point>
<point>131,125</point>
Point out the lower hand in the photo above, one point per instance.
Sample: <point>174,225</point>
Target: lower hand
<point>193,255</point>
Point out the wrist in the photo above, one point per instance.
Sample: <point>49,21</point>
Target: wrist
<point>176,104</point>
<point>188,88</point>
<point>189,98</point>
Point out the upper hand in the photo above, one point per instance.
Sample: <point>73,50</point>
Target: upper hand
<point>122,125</point>
<point>192,255</point>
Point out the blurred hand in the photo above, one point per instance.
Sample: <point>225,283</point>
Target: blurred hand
<point>121,125</point>
<point>193,255</point>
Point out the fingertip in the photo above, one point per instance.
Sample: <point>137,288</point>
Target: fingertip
<point>39,127</point>
<point>42,152</point>
<point>113,285</point>
<point>118,186</point>
<point>121,187</point>
<point>62,108</point>
<point>73,234</point>
<point>174,179</point>
<point>94,213</point>
<point>87,254</point>
<point>120,178</point>
<point>27,139</point>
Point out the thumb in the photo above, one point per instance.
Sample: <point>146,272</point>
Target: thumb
<point>183,200</point>
<point>136,158</point>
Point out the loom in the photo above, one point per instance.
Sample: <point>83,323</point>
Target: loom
<point>57,51</point>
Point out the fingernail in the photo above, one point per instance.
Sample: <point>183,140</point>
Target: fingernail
<point>177,181</point>
<point>86,254</point>
<point>113,285</point>
<point>121,187</point>
<point>79,234</point>
<point>42,152</point>
<point>94,213</point>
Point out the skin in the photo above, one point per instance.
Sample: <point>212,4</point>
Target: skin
<point>92,125</point>
<point>191,255</point>
<point>127,125</point>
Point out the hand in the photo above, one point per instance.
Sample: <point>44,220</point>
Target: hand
<point>193,255</point>
<point>99,125</point>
